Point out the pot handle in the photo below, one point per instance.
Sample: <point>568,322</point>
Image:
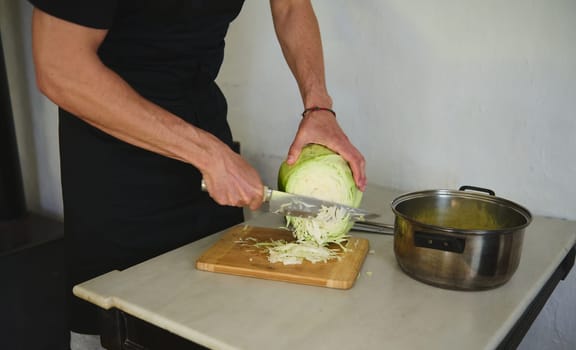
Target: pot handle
<point>479,189</point>
<point>439,242</point>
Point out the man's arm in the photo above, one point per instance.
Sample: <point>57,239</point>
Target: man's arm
<point>299,36</point>
<point>70,73</point>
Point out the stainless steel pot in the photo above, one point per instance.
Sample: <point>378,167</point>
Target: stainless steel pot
<point>467,240</point>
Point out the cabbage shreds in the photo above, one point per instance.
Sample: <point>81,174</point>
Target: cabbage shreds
<point>295,253</point>
<point>313,235</point>
<point>323,229</point>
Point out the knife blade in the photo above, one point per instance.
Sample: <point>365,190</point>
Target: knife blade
<point>288,204</point>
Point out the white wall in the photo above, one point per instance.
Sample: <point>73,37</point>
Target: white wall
<point>435,94</point>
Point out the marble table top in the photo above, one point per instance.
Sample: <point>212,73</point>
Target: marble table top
<point>386,309</point>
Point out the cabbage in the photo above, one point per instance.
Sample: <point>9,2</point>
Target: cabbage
<point>295,253</point>
<point>324,174</point>
<point>320,173</point>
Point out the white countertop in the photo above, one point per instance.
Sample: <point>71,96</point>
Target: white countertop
<point>386,309</point>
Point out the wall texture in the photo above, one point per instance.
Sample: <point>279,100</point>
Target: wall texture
<point>435,94</point>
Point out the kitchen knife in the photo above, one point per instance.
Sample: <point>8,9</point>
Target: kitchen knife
<point>288,204</point>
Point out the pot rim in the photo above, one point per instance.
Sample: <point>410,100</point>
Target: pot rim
<point>463,194</point>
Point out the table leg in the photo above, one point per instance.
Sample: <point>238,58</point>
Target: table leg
<point>517,333</point>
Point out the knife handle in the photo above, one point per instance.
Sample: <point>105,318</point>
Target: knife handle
<point>267,191</point>
<point>267,194</point>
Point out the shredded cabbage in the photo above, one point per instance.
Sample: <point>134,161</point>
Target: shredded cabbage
<point>291,253</point>
<point>323,229</point>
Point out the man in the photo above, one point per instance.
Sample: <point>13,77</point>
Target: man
<point>141,122</point>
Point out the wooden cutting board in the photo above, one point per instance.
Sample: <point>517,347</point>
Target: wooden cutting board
<point>236,254</point>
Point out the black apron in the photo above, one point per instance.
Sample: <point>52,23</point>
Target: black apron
<point>123,204</point>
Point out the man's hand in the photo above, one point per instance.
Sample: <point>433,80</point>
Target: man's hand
<point>322,127</point>
<point>229,179</point>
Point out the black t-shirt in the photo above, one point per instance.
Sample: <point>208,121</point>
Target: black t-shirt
<point>170,52</point>
<point>155,45</point>
<point>102,14</point>
<point>123,204</point>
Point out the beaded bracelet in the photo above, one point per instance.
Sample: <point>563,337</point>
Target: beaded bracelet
<point>316,108</point>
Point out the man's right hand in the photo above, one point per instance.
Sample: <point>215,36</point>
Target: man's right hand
<point>230,179</point>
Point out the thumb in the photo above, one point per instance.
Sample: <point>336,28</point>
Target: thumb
<point>294,152</point>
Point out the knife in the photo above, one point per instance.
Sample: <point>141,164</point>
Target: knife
<point>288,204</point>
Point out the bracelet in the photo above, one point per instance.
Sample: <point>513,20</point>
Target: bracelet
<point>316,108</point>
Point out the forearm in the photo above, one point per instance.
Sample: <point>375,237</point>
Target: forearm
<point>299,36</point>
<point>70,73</point>
<point>102,99</point>
<point>88,89</point>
